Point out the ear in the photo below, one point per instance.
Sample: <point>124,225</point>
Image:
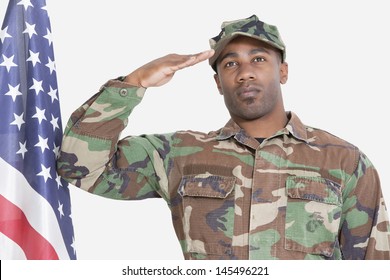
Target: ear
<point>283,73</point>
<point>218,82</point>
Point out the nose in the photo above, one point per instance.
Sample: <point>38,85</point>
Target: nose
<point>246,73</point>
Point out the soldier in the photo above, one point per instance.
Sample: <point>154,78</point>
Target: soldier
<point>265,186</point>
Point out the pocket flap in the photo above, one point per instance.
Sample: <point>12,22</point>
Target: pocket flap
<point>206,185</point>
<point>314,188</point>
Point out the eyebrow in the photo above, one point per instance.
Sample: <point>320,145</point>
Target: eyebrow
<point>252,52</point>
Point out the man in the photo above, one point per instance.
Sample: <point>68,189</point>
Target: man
<point>265,186</point>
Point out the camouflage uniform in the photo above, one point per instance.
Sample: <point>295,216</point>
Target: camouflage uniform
<point>300,194</point>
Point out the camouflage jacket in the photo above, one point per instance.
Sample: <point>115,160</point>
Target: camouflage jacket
<point>300,194</point>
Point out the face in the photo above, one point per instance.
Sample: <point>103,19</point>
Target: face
<point>249,75</point>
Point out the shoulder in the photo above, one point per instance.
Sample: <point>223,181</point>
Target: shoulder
<point>319,138</point>
<point>326,137</point>
<point>334,146</point>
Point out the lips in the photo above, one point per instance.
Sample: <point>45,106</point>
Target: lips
<point>248,92</point>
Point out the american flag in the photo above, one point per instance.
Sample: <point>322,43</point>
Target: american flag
<point>35,210</point>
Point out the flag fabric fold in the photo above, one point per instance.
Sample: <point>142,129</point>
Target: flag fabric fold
<point>35,207</point>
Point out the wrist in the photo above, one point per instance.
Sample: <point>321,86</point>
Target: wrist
<point>132,80</point>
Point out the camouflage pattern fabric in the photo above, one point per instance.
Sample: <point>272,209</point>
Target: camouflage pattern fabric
<point>301,194</point>
<point>250,27</point>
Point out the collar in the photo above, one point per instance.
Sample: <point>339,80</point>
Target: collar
<point>294,127</point>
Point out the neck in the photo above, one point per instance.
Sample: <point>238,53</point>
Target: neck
<point>264,126</point>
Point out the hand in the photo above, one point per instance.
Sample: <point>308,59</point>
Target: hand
<point>160,71</point>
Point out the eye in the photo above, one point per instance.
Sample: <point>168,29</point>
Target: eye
<point>259,59</point>
<point>230,64</point>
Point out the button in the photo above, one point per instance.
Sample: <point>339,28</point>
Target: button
<point>123,92</point>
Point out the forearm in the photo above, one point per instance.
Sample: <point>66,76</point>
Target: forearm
<point>91,135</point>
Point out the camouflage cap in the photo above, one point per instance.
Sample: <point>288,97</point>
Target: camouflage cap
<point>251,27</point>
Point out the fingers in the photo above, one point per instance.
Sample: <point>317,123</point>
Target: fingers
<point>161,70</point>
<point>203,56</point>
<point>191,60</point>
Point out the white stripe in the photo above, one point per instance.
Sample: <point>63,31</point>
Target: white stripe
<point>9,249</point>
<point>37,210</point>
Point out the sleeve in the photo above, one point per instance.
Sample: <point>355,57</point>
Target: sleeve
<point>365,230</point>
<point>94,159</point>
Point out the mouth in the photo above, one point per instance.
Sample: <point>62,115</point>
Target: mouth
<point>248,92</point>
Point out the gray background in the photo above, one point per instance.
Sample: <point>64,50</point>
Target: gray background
<point>338,81</point>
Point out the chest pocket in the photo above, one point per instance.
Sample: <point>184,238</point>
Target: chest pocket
<point>208,206</point>
<point>313,216</point>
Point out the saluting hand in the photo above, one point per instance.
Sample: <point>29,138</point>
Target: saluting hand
<point>160,71</point>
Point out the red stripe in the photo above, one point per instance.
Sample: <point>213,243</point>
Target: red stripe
<point>14,224</point>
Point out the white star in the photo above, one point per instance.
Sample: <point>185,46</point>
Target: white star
<point>56,151</point>
<point>45,173</point>
<point>34,58</point>
<point>54,122</point>
<point>42,144</point>
<point>25,3</point>
<point>58,181</point>
<point>73,245</point>
<point>13,91</point>
<point>40,115</point>
<point>44,8</point>
<point>18,120</point>
<point>4,34</point>
<point>51,65</point>
<point>60,209</point>
<point>30,29</point>
<point>22,149</point>
<point>37,86</point>
<point>8,62</point>
<point>49,36</point>
<point>53,94</point>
